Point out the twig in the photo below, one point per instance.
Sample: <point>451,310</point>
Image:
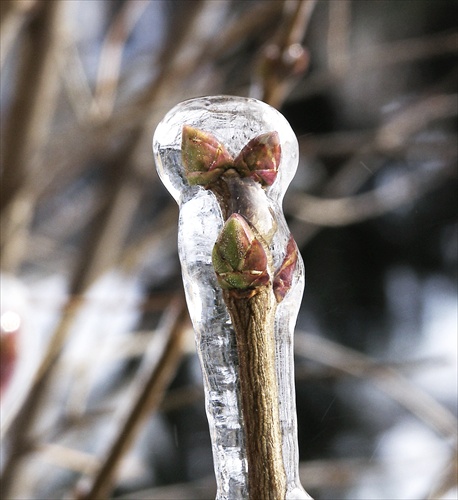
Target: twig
<point>146,107</point>
<point>27,125</point>
<point>170,56</point>
<point>173,67</point>
<point>101,251</point>
<point>406,188</point>
<point>31,108</point>
<point>111,57</point>
<point>447,481</point>
<point>344,144</point>
<point>243,263</point>
<point>69,458</point>
<point>75,80</point>
<point>151,386</point>
<point>202,489</point>
<point>253,21</point>
<point>318,474</point>
<point>389,380</point>
<point>104,243</point>
<point>253,321</point>
<point>306,373</point>
<point>283,60</point>
<point>391,53</point>
<point>13,16</point>
<point>338,36</point>
<point>392,135</point>
<point>387,139</point>
<point>352,472</point>
<point>18,443</point>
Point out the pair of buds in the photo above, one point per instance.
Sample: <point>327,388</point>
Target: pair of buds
<point>240,254</point>
<point>205,159</point>
<point>241,263</point>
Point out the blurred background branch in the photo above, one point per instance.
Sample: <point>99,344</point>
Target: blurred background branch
<point>101,387</point>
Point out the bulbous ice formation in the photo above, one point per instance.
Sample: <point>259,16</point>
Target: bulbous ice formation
<point>220,156</point>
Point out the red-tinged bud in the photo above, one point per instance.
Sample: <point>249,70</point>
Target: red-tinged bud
<point>284,275</point>
<point>204,158</point>
<point>239,259</point>
<point>9,331</point>
<point>260,158</point>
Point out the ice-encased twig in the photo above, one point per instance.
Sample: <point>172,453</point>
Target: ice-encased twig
<point>233,122</point>
<point>241,259</point>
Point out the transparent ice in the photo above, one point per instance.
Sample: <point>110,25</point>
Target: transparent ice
<point>234,121</point>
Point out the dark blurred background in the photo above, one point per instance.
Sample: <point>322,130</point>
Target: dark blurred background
<point>101,386</point>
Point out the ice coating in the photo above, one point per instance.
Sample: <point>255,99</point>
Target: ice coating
<point>234,121</point>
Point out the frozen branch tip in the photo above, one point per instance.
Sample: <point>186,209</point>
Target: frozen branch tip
<point>205,159</point>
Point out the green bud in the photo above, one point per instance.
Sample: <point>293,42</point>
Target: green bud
<point>204,158</point>
<point>239,259</point>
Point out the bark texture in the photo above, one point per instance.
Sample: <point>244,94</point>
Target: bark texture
<point>253,320</point>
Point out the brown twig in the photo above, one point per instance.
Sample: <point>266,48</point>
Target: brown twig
<point>27,126</point>
<point>120,200</point>
<point>242,262</point>
<point>256,20</point>
<point>253,322</point>
<point>143,108</point>
<point>13,16</point>
<point>283,59</point>
<point>71,459</point>
<point>387,379</point>
<point>18,435</point>
<point>111,57</point>
<point>387,139</point>
<point>338,36</point>
<point>379,56</point>
<point>403,190</point>
<point>447,481</point>
<point>75,80</point>
<point>169,59</point>
<point>101,251</point>
<point>151,386</point>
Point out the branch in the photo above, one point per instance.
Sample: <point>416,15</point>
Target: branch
<point>388,380</point>
<point>339,36</point>
<point>27,126</point>
<point>386,140</point>
<point>111,57</point>
<point>13,16</point>
<point>153,380</point>
<point>379,56</point>
<point>403,190</point>
<point>101,250</point>
<point>283,60</point>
